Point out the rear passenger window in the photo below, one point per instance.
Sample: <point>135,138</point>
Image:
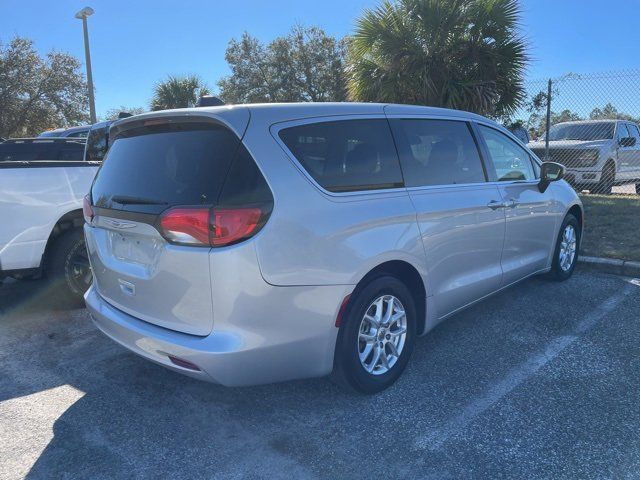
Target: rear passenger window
<point>510,161</point>
<point>437,152</point>
<point>347,155</point>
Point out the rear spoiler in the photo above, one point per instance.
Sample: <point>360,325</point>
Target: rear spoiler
<point>234,118</point>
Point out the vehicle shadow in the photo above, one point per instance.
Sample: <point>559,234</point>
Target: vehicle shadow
<point>136,419</point>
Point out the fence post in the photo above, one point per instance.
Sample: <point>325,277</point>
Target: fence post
<point>546,139</point>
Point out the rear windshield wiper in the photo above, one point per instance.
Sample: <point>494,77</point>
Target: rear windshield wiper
<point>127,200</point>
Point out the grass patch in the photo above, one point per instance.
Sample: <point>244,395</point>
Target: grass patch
<point>612,226</point>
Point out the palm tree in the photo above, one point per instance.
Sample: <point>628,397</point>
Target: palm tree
<point>463,54</point>
<point>178,92</point>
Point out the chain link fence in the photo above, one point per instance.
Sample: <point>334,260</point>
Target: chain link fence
<point>590,124</point>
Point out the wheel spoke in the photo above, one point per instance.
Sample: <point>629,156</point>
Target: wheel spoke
<point>384,360</point>
<point>375,359</point>
<point>397,333</point>
<point>388,312</point>
<point>366,352</point>
<point>394,350</point>
<point>367,337</point>
<point>372,321</point>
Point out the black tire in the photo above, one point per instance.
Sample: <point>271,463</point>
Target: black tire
<point>607,179</point>
<point>66,256</point>
<point>348,370</point>
<point>558,273</point>
<point>638,188</point>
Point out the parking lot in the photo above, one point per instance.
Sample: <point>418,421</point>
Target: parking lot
<point>539,381</point>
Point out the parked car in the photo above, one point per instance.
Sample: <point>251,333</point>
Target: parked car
<point>74,132</point>
<point>262,243</point>
<point>32,149</point>
<point>42,183</point>
<point>598,154</point>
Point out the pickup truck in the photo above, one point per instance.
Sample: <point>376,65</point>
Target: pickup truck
<point>42,185</point>
<point>598,154</point>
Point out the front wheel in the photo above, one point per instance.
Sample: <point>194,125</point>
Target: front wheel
<point>607,179</point>
<point>565,255</point>
<point>377,336</point>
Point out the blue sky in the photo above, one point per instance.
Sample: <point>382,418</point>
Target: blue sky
<point>135,43</point>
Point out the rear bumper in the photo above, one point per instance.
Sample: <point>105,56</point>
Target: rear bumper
<point>298,343</point>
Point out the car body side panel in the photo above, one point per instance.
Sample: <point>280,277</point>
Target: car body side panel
<point>463,241</point>
<point>315,238</point>
<point>35,198</point>
<point>531,228</point>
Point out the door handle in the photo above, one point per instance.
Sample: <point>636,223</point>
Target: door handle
<point>494,204</point>
<point>511,203</point>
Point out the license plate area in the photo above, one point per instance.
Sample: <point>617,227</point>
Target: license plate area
<point>132,248</point>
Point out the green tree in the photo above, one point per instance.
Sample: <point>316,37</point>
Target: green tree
<point>178,92</point>
<point>39,93</point>
<point>306,65</point>
<point>112,113</point>
<point>609,112</point>
<point>463,54</point>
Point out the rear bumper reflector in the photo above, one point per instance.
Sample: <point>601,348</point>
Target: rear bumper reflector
<point>181,362</point>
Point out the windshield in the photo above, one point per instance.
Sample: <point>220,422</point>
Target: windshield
<point>582,131</point>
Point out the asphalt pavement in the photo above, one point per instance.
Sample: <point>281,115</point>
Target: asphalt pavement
<point>539,381</point>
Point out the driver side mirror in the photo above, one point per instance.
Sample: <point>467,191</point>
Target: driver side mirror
<point>550,172</point>
<point>627,142</point>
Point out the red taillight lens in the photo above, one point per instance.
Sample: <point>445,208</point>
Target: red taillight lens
<point>215,227</point>
<point>186,225</point>
<point>232,225</point>
<point>87,211</point>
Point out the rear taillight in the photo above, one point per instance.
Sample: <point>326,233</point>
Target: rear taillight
<point>186,225</point>
<point>232,225</point>
<point>87,211</point>
<point>214,227</point>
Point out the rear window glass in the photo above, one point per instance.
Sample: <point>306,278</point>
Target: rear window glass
<point>30,151</point>
<point>346,155</point>
<point>151,168</point>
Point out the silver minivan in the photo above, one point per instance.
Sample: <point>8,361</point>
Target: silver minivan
<point>260,243</point>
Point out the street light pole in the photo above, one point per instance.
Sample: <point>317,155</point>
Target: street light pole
<point>82,15</point>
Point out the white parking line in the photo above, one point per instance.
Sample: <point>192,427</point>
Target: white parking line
<point>437,437</point>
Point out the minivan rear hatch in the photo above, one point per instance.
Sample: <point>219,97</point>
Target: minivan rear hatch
<point>154,164</point>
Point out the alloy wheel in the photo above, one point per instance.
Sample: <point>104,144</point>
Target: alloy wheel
<point>382,334</point>
<point>568,245</point>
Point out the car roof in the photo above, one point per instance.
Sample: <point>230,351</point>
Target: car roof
<point>271,113</point>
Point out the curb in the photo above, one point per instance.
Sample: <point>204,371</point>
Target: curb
<point>610,265</point>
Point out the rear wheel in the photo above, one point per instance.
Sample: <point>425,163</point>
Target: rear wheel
<point>377,336</point>
<point>565,255</point>
<point>67,267</point>
<point>607,179</point>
